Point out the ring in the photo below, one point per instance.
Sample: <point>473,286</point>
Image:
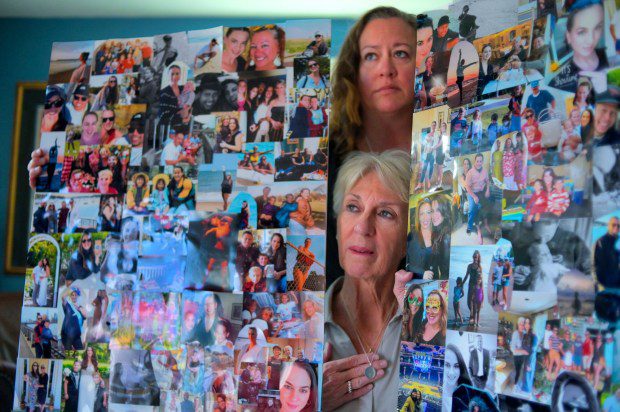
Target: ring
<point>349,386</point>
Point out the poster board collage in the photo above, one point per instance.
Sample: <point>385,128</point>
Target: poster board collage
<point>514,213</point>
<point>176,256</point>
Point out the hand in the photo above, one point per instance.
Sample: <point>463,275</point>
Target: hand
<point>38,158</point>
<point>521,274</point>
<point>66,396</point>
<point>337,373</point>
<point>428,275</point>
<point>400,285</point>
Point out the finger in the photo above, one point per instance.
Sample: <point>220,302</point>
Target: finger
<point>359,372</point>
<point>347,363</point>
<point>327,352</point>
<point>357,393</point>
<point>34,173</point>
<point>400,285</point>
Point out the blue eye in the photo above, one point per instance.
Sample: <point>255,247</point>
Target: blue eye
<point>370,56</point>
<point>351,208</point>
<point>401,54</point>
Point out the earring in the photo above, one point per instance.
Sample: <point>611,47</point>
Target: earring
<point>277,61</point>
<point>252,62</point>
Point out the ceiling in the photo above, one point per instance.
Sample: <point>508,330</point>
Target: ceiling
<point>197,8</point>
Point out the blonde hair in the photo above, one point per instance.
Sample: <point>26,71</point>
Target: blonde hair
<point>346,121</point>
<point>393,168</point>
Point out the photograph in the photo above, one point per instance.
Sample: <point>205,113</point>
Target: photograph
<point>477,201</point>
<point>305,257</point>
<point>472,293</point>
<point>433,166</point>
<point>311,72</point>
<point>605,236</point>
<point>425,313</point>
<point>307,113</point>
<point>462,74</point>
<point>206,47</point>
<point>420,377</point>
<point>38,385</point>
<point>554,255</point>
<point>204,316</point>
<point>301,159</point>
<point>520,338</point>
<point>40,336</point>
<point>428,241</point>
<point>307,39</point>
<point>43,269</point>
<point>255,165</point>
<point>53,147</point>
<point>132,378</point>
<point>70,63</point>
<point>559,191</point>
<point>606,181</point>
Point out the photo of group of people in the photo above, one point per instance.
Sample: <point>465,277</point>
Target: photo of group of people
<point>179,222</point>
<point>513,193</point>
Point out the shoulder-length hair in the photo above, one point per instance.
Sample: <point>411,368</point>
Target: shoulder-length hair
<point>417,319</point>
<point>287,367</point>
<point>464,377</point>
<point>346,122</point>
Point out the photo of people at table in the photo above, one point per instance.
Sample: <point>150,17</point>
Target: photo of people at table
<point>477,200</point>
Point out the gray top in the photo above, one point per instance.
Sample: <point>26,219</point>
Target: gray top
<point>384,395</point>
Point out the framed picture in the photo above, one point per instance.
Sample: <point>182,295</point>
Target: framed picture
<point>29,101</point>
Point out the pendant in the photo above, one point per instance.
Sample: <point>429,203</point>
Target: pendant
<point>370,372</point>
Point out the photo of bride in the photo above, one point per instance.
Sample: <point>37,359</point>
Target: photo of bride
<point>41,275</point>
<point>92,391</point>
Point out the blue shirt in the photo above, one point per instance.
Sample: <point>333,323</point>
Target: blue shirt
<point>612,404</point>
<point>540,103</point>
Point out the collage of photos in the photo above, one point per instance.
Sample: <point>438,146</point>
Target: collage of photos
<point>513,206</point>
<point>176,258</point>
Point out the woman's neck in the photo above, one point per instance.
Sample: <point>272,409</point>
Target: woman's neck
<point>371,300</point>
<point>586,62</point>
<point>386,131</point>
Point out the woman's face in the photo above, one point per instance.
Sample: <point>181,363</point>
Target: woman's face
<point>547,178</point>
<point>387,65</point>
<point>175,75</point>
<point>89,352</point>
<point>87,242</point>
<point>436,216</point>
<point>269,93</point>
<point>582,93</point>
<point>425,212</point>
<point>486,53</point>
<point>275,243</point>
<point>295,390</point>
<point>242,88</point>
<point>314,103</point>
<point>372,221</point>
<point>233,125</point>
<point>528,325</point>
<point>139,182</point>
<point>177,174</point>
<point>208,98</point>
<point>235,43</point>
<point>586,116</point>
<point>107,120</point>
<point>586,31</point>
<point>433,310</point>
<point>281,89</point>
<point>89,125</point>
<point>305,194</point>
<point>264,48</point>
<point>466,165</point>
<point>415,301</point>
<point>452,368</point>
<point>231,92</point>
<point>425,43</point>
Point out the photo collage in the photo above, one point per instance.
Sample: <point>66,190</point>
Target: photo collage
<point>514,214</point>
<point>176,256</point>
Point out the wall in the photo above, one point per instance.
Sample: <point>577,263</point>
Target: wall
<point>26,47</point>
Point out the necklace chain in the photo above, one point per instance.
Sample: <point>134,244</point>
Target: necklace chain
<point>368,143</point>
<point>359,338</point>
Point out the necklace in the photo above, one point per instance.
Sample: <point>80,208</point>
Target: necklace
<point>370,371</point>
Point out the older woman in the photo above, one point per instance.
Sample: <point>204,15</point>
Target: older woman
<point>266,48</point>
<point>373,96</point>
<point>362,319</point>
